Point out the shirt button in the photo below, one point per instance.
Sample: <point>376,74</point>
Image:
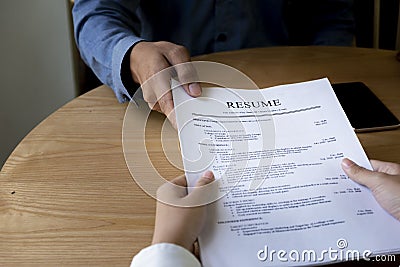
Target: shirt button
<point>221,37</point>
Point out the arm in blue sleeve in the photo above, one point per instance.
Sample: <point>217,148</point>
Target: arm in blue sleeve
<point>328,22</point>
<point>105,30</point>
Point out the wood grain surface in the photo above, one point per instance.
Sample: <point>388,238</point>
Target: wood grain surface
<point>67,197</point>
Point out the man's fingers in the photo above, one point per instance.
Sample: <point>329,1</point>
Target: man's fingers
<point>192,89</point>
<point>360,174</point>
<point>155,77</point>
<point>179,57</point>
<point>166,103</point>
<point>157,90</point>
<point>187,75</point>
<point>175,54</point>
<point>155,106</point>
<point>172,119</point>
<point>166,106</point>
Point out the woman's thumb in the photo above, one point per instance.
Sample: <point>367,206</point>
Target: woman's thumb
<point>206,178</point>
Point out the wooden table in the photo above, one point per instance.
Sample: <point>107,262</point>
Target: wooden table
<point>67,197</point>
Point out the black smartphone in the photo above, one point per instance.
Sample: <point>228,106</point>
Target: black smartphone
<point>363,108</point>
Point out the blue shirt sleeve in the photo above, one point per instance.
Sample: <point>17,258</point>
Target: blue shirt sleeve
<point>105,30</point>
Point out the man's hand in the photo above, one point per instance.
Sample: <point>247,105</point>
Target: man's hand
<point>383,181</point>
<point>181,225</point>
<point>149,58</point>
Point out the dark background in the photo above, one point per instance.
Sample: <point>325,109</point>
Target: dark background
<point>364,12</point>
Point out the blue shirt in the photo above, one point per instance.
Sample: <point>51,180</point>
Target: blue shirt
<point>106,30</point>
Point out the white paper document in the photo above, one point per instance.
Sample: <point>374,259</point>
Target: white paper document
<point>283,198</point>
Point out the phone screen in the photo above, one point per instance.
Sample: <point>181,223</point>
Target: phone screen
<point>363,108</point>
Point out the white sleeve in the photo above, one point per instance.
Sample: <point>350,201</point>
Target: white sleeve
<point>165,255</point>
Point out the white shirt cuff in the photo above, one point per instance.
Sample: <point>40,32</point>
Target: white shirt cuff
<point>165,255</point>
